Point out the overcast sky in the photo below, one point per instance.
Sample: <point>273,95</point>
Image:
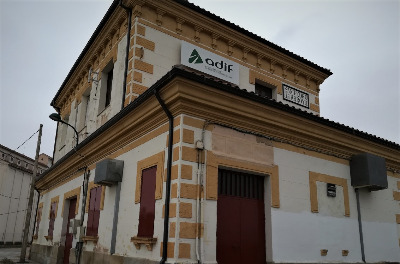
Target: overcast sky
<point>359,41</point>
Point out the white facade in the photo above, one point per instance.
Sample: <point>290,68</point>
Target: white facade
<point>296,152</point>
<point>15,181</point>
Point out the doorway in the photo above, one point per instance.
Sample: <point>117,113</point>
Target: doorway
<point>69,236</point>
<point>240,218</point>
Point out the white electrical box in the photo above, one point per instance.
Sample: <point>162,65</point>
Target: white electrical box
<point>73,224</point>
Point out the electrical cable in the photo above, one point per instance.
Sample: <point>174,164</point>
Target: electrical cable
<point>26,140</point>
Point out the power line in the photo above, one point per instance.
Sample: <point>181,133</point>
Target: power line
<point>26,140</point>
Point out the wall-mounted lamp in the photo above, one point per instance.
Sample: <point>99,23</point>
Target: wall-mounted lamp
<point>56,117</point>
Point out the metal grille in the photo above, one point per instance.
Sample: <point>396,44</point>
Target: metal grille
<point>233,183</point>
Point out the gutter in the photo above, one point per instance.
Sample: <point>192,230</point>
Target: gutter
<point>176,72</point>
<point>168,183</point>
<point>360,225</point>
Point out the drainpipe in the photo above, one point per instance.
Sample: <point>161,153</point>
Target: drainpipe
<point>79,244</point>
<point>168,183</point>
<point>115,219</point>
<point>128,41</point>
<point>360,225</point>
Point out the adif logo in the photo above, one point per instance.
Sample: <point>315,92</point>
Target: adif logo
<point>208,62</point>
<point>196,58</point>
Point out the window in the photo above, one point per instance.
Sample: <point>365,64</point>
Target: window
<point>107,76</point>
<point>109,86</point>
<point>53,211</point>
<point>83,110</point>
<point>264,89</point>
<point>62,136</point>
<point>94,211</point>
<point>11,159</point>
<point>147,203</point>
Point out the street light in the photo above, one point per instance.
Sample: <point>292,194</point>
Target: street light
<point>56,117</point>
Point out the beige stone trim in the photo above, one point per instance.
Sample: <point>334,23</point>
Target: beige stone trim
<point>396,196</point>
<point>186,172</point>
<point>253,76</point>
<point>188,136</point>
<point>309,153</point>
<point>40,205</point>
<point>214,161</point>
<point>316,100</point>
<point>176,137</point>
<point>174,172</point>
<point>197,123</point>
<point>190,191</point>
<point>73,193</point>
<point>174,190</point>
<point>256,56</point>
<point>138,88</point>
<point>314,177</point>
<point>184,250</point>
<point>147,44</point>
<point>147,241</point>
<point>170,249</point>
<point>398,218</point>
<point>190,154</point>
<point>155,160</point>
<point>54,200</point>
<point>92,185</point>
<point>143,66</point>
<point>137,76</point>
<point>398,185</point>
<point>188,230</point>
<point>172,229</point>
<point>185,210</point>
<point>393,174</point>
<point>314,107</point>
<point>118,152</point>
<point>172,210</point>
<point>141,30</point>
<point>175,154</point>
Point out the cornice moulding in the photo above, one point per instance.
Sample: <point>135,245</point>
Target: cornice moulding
<point>183,96</point>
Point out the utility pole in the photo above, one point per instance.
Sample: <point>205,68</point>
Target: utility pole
<point>30,202</point>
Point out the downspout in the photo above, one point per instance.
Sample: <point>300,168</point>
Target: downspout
<point>115,219</point>
<point>79,244</point>
<point>168,183</point>
<point>360,225</point>
<point>128,41</point>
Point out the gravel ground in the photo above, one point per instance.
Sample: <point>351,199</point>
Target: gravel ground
<point>14,254</point>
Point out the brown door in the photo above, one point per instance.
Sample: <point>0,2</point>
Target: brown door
<point>69,236</point>
<point>240,218</point>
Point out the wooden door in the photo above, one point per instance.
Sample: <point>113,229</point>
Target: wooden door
<point>69,236</point>
<point>240,218</point>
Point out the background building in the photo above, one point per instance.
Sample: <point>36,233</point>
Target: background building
<point>16,172</point>
<point>172,96</point>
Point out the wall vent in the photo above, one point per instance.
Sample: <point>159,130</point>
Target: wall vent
<point>109,172</point>
<point>368,171</point>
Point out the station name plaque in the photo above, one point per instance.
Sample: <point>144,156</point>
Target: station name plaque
<point>295,96</point>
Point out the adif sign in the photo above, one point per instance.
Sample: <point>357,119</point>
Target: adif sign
<point>210,63</point>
